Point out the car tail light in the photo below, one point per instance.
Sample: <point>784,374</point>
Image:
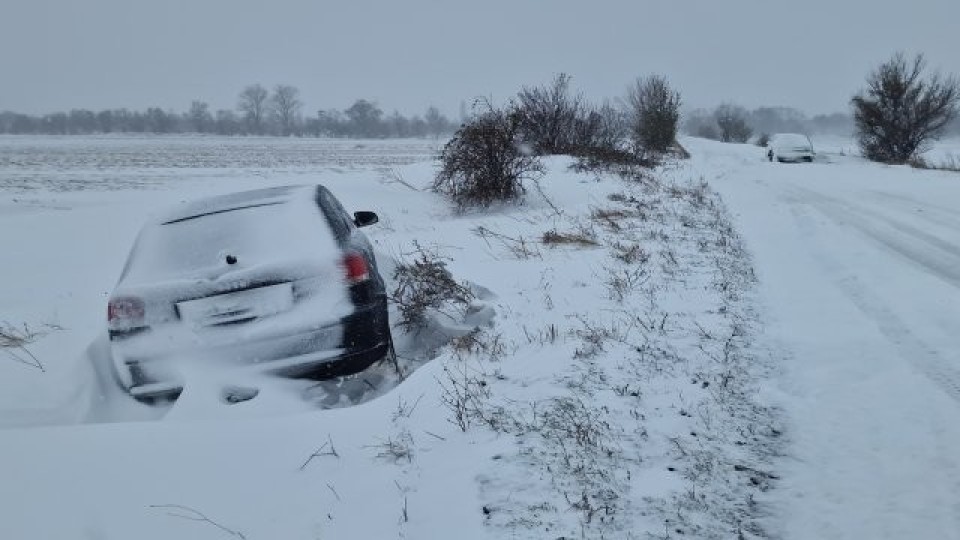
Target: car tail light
<point>356,268</point>
<point>125,312</point>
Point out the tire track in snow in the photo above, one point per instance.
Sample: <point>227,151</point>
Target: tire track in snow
<point>927,359</point>
<point>932,253</point>
<point>931,213</point>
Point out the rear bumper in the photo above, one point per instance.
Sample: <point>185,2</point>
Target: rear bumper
<point>794,157</point>
<point>347,346</point>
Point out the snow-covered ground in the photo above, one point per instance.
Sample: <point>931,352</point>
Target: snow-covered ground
<point>614,395</point>
<point>641,381</point>
<point>859,266</point>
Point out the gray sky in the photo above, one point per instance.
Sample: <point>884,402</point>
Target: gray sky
<point>408,54</point>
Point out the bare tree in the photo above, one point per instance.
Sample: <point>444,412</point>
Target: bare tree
<point>286,106</point>
<point>158,121</point>
<point>199,116</point>
<point>365,118</point>
<point>226,123</point>
<point>732,121</point>
<point>548,115</point>
<point>901,111</point>
<point>437,123</point>
<point>253,106</point>
<point>653,113</point>
<point>398,125</point>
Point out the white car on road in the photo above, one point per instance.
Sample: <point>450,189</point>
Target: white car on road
<point>792,147</point>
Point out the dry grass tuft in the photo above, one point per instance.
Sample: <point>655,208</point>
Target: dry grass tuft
<point>580,238</point>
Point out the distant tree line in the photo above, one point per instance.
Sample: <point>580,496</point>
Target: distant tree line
<point>258,112</point>
<point>732,123</point>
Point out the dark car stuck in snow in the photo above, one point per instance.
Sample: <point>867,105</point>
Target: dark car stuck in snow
<point>276,280</point>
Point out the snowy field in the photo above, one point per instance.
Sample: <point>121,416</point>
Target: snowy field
<point>71,163</point>
<point>640,378</point>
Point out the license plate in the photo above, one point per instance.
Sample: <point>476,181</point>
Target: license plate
<point>237,306</point>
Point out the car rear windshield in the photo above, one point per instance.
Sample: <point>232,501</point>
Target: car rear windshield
<point>197,246</point>
<point>792,140</point>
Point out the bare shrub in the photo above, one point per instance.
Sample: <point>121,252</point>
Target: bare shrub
<point>548,115</point>
<point>425,284</point>
<point>464,394</point>
<point>621,282</point>
<point>630,253</point>
<point>479,341</point>
<point>763,140</point>
<point>653,114</point>
<point>519,247</point>
<point>594,336</point>
<point>732,121</point>
<point>597,129</point>
<point>485,162</point>
<point>612,160</point>
<point>901,111</point>
<point>14,341</point>
<point>396,449</point>
<point>569,419</point>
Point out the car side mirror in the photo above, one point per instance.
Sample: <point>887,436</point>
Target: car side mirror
<point>364,218</point>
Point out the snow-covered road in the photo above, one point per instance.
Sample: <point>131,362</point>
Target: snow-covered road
<point>860,272</point>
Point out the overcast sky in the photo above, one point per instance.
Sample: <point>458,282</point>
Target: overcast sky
<point>408,54</point>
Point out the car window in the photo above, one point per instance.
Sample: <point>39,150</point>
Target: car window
<point>791,139</point>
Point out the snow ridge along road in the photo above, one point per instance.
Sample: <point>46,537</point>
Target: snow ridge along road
<point>860,274</point>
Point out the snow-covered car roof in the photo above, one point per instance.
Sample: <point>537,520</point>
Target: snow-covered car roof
<point>236,201</point>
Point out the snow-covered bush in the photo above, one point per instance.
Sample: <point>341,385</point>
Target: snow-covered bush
<point>486,162</point>
<point>425,284</point>
<point>548,116</point>
<point>555,121</point>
